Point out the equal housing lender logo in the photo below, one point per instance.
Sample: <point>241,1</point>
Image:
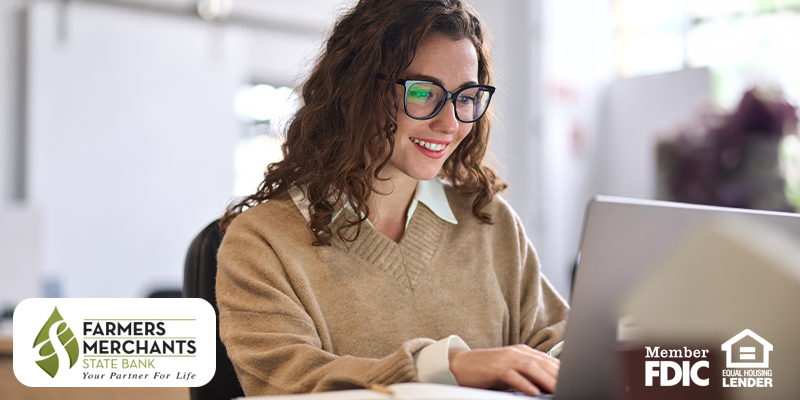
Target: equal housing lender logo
<point>747,361</point>
<point>114,342</point>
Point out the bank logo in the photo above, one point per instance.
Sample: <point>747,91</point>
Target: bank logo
<point>55,345</point>
<point>747,350</point>
<point>114,343</point>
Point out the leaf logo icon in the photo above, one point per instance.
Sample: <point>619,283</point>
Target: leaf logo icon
<point>55,344</point>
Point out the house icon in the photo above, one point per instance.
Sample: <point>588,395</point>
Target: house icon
<point>735,354</point>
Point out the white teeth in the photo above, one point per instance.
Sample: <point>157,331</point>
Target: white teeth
<point>429,146</point>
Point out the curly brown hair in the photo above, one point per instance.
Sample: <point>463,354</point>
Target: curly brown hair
<point>343,135</point>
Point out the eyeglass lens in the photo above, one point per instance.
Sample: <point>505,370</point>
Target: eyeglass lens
<point>425,99</point>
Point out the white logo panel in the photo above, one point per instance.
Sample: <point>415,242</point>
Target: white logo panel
<point>114,342</point>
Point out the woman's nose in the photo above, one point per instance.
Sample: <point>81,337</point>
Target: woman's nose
<point>446,122</point>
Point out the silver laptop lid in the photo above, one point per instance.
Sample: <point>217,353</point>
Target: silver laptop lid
<point>621,240</point>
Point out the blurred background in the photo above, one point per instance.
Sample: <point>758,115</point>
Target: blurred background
<point>126,126</point>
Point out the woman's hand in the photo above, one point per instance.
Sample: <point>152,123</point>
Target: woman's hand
<point>520,367</point>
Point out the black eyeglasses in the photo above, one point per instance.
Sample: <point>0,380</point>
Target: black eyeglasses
<point>423,100</point>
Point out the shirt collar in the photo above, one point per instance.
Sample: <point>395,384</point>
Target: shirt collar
<point>430,192</point>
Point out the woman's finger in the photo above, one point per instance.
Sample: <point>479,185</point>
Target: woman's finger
<point>514,379</point>
<point>525,369</point>
<point>540,373</point>
<point>548,364</point>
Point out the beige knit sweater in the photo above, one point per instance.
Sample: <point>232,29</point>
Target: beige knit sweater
<point>298,318</point>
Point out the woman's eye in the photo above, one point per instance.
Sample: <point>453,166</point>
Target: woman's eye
<point>466,100</point>
<point>422,94</point>
<point>418,94</point>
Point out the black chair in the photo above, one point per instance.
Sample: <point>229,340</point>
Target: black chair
<point>199,280</point>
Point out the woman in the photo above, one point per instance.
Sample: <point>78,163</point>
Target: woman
<point>354,264</point>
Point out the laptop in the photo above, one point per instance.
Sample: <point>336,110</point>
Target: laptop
<point>623,238</point>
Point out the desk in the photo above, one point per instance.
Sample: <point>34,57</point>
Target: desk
<point>11,389</point>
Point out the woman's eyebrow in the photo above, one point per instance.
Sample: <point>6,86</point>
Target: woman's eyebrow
<point>421,77</point>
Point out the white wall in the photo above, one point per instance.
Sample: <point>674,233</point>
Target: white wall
<point>577,65</point>
<point>640,111</point>
<point>19,260</point>
<point>598,132</point>
<point>129,143</point>
<point>19,273</point>
<point>514,27</point>
<point>131,133</point>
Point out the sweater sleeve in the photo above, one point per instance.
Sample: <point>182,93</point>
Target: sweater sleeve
<point>271,339</point>
<point>543,312</point>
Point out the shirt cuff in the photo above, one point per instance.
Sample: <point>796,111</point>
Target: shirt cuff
<point>433,362</point>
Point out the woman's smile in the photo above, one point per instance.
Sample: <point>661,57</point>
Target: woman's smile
<point>432,148</point>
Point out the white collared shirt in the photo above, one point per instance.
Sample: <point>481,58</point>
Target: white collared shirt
<point>430,193</point>
<point>432,362</point>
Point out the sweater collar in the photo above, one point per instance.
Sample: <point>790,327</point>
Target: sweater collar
<point>431,193</point>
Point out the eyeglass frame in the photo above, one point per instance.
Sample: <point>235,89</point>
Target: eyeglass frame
<point>407,83</point>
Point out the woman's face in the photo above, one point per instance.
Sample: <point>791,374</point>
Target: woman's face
<point>454,65</point>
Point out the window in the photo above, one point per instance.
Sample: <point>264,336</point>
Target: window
<point>265,112</point>
<point>744,43</point>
